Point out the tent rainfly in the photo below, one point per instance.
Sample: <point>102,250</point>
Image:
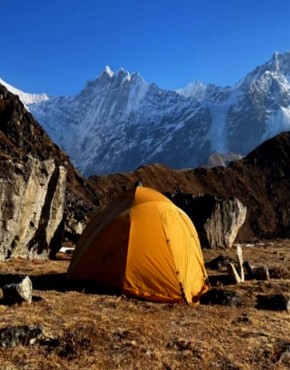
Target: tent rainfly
<point>144,245</point>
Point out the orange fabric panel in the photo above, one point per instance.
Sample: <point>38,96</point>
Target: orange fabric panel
<point>93,230</point>
<point>144,195</point>
<point>105,258</point>
<point>150,270</point>
<point>184,245</point>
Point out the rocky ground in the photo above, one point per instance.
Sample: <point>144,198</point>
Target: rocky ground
<point>90,330</point>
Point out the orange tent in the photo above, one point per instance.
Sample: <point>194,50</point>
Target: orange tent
<point>144,245</point>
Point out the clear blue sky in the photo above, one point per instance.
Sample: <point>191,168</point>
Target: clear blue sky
<point>55,46</point>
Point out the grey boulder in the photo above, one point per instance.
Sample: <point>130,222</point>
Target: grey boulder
<point>17,292</point>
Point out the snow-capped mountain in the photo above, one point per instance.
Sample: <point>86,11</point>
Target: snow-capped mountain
<point>119,122</point>
<point>26,98</point>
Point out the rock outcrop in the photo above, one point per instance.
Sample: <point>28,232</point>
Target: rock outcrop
<point>275,302</point>
<point>217,220</point>
<point>12,336</point>
<point>222,297</point>
<point>18,291</point>
<point>226,218</point>
<point>32,198</point>
<point>39,188</point>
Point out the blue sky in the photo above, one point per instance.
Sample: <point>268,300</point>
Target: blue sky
<point>56,46</point>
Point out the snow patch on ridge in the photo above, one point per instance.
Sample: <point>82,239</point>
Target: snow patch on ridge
<point>108,71</point>
<point>194,89</point>
<point>138,90</point>
<point>279,121</point>
<point>217,134</point>
<point>26,98</point>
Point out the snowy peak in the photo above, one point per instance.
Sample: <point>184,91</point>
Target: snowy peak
<point>194,89</point>
<point>115,79</point>
<point>115,89</point>
<point>108,71</point>
<point>277,67</point>
<point>121,74</point>
<point>119,122</point>
<point>281,62</point>
<point>26,98</point>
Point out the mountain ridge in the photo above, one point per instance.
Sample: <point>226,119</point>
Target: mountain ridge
<point>119,122</point>
<point>260,180</point>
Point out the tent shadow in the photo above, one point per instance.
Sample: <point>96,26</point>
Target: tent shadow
<point>59,282</point>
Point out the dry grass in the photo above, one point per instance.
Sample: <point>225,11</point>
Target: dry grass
<point>102,331</point>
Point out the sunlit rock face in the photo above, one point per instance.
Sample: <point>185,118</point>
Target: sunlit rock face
<point>217,220</point>
<point>221,228</point>
<point>32,200</point>
<point>41,194</point>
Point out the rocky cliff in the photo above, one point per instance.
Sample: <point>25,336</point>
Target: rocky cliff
<point>41,195</point>
<point>32,207</point>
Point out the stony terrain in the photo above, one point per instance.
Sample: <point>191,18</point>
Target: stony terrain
<point>97,330</point>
